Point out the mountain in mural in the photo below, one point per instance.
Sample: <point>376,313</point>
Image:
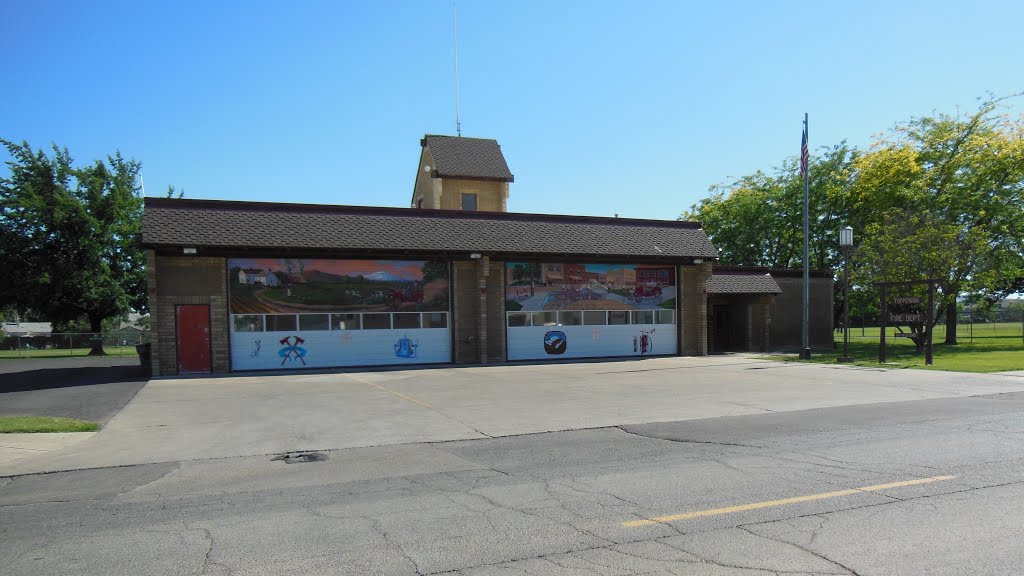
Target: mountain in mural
<point>320,276</point>
<point>383,277</point>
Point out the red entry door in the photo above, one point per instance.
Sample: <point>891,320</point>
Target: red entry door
<point>193,338</point>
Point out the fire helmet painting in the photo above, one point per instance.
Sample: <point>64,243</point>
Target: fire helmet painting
<point>555,342</point>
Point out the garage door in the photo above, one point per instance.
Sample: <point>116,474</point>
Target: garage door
<point>321,313</point>
<point>559,310</point>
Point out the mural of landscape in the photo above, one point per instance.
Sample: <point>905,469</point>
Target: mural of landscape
<point>289,285</point>
<point>540,286</point>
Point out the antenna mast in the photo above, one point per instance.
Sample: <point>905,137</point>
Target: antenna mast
<point>455,29</point>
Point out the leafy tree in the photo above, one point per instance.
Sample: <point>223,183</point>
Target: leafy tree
<point>434,269</point>
<point>962,180</point>
<point>758,220</point>
<point>68,237</point>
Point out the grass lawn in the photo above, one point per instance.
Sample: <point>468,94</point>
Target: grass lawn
<point>64,352</point>
<point>994,347</point>
<point>22,424</point>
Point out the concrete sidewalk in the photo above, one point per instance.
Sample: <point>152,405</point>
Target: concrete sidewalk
<point>201,418</point>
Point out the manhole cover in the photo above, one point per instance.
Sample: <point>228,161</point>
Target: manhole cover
<point>300,457</point>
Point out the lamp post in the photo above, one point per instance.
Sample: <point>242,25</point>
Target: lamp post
<point>846,244</point>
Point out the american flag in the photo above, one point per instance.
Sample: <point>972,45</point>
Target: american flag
<point>805,154</point>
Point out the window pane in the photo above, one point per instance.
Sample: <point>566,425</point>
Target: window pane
<point>594,317</point>
<point>314,322</point>
<point>469,201</point>
<point>281,322</point>
<point>407,320</point>
<point>545,318</point>
<point>435,320</point>
<point>618,317</point>
<point>518,319</point>
<point>248,323</point>
<point>643,317</point>
<point>345,321</point>
<point>376,321</point>
<point>666,316</point>
<point>570,318</point>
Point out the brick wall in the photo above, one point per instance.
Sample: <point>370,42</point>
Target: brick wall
<point>490,195</point>
<point>183,280</point>
<point>693,303</point>
<point>496,313</point>
<point>424,186</point>
<point>787,314</point>
<point>466,308</point>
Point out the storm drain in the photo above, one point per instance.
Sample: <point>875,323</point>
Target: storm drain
<point>300,457</point>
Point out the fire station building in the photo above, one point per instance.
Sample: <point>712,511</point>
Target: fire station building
<point>455,279</point>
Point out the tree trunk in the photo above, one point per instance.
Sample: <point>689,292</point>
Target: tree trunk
<point>96,338</point>
<point>951,324</point>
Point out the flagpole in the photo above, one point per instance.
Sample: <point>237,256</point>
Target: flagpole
<point>805,353</point>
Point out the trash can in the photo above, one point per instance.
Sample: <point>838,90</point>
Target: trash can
<point>144,352</point>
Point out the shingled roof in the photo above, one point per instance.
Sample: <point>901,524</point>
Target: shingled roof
<point>743,284</point>
<point>228,226</point>
<point>458,157</point>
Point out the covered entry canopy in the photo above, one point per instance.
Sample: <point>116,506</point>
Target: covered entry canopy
<point>739,310</point>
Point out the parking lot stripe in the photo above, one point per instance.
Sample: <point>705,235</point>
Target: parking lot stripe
<point>392,392</point>
<point>794,500</point>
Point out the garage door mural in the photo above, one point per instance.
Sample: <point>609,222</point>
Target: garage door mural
<point>318,313</point>
<point>574,310</point>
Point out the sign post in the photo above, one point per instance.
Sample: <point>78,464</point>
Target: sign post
<point>926,318</point>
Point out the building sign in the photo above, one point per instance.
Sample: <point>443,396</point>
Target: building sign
<point>295,313</point>
<point>581,310</point>
<point>906,318</point>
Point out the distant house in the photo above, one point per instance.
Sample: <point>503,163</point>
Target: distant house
<point>26,328</point>
<point>257,276</point>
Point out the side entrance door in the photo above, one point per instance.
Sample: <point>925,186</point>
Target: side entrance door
<point>720,330</point>
<point>193,338</point>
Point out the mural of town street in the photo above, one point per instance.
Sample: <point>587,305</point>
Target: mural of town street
<point>539,286</point>
<point>289,285</point>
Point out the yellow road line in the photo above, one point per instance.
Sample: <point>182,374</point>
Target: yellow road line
<point>392,392</point>
<point>794,500</point>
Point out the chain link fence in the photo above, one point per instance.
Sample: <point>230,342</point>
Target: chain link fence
<point>53,345</point>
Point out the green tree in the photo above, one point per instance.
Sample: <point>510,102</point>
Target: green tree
<point>434,269</point>
<point>962,180</point>
<point>758,220</point>
<point>69,237</point>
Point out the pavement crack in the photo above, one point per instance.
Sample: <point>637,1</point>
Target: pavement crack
<point>847,569</point>
<point>379,528</point>
<point>685,441</point>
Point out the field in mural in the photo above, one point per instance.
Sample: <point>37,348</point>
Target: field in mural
<point>288,285</point>
<point>540,286</point>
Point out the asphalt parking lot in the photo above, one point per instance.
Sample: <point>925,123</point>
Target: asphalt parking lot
<point>87,388</point>
<point>183,419</point>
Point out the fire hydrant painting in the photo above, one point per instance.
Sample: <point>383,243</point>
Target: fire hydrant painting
<point>645,342</point>
<point>406,348</point>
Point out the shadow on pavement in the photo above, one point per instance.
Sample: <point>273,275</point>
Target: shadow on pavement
<point>88,392</point>
<point>50,378</point>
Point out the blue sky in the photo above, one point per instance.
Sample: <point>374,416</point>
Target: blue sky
<point>632,108</point>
